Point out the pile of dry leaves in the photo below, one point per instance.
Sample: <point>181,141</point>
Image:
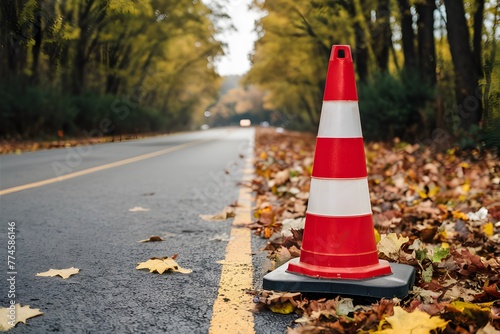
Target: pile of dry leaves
<point>436,211</point>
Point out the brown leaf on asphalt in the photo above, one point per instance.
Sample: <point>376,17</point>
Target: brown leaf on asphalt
<point>228,212</point>
<point>64,273</point>
<point>164,264</point>
<point>15,313</point>
<point>153,238</point>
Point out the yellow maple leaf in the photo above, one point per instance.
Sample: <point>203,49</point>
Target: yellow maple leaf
<point>377,235</point>
<point>464,306</point>
<point>488,229</point>
<point>10,316</point>
<point>391,244</point>
<point>422,193</point>
<point>416,322</point>
<point>460,215</point>
<point>282,308</point>
<point>433,191</point>
<point>64,273</point>
<point>162,265</point>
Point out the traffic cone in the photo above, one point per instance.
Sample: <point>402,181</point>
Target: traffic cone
<point>339,252</point>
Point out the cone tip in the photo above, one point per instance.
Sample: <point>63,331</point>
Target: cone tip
<point>341,52</point>
<point>340,81</point>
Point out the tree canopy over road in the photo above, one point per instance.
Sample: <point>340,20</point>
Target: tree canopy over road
<point>110,65</point>
<point>427,70</point>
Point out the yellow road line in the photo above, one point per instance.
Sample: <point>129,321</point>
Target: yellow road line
<point>232,308</point>
<point>102,167</point>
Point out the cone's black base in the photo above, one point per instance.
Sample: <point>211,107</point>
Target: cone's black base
<point>398,284</point>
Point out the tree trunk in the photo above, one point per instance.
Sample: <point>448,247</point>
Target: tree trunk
<point>476,38</point>
<point>14,37</point>
<point>426,46</point>
<point>360,52</point>
<point>466,76</point>
<point>38,37</point>
<point>90,19</point>
<point>408,35</point>
<point>488,70</point>
<point>381,35</point>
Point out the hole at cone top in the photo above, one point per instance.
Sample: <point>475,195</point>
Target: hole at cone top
<point>341,53</point>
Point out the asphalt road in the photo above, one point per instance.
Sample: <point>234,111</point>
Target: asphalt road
<point>85,222</point>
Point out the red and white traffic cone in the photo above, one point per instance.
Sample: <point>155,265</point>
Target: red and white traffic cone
<point>339,241</point>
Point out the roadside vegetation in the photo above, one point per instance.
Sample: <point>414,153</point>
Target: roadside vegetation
<point>101,67</point>
<point>436,211</point>
<point>427,70</point>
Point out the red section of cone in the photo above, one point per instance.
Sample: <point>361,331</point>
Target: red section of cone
<point>340,80</point>
<point>339,158</point>
<point>339,246</point>
<point>337,239</point>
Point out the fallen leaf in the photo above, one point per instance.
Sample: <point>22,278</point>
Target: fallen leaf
<point>488,329</point>
<point>282,308</point>
<point>416,322</point>
<point>488,229</point>
<point>427,274</point>
<point>138,209</point>
<point>10,316</point>
<point>161,265</point>
<point>279,302</point>
<point>64,273</point>
<point>221,237</point>
<point>493,290</point>
<point>282,255</point>
<point>460,215</point>
<point>464,306</point>
<point>426,296</point>
<point>459,292</point>
<point>459,312</point>
<point>344,306</point>
<point>228,212</point>
<point>377,235</point>
<point>439,253</point>
<point>289,224</point>
<point>279,178</point>
<point>152,238</point>
<point>390,245</point>
<point>478,215</point>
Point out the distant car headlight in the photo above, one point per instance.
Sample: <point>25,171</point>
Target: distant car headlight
<point>245,122</point>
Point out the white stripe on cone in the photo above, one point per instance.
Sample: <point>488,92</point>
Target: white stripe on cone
<point>339,197</point>
<point>340,119</point>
